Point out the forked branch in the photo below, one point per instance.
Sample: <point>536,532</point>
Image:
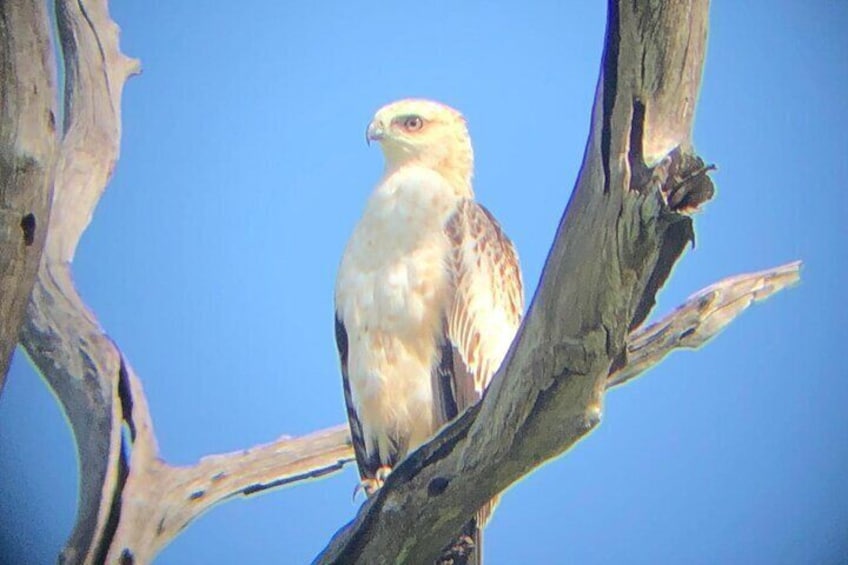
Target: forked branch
<point>625,226</point>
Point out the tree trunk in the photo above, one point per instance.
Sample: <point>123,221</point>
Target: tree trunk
<point>27,148</point>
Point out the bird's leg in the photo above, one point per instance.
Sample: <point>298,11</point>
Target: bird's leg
<point>383,474</point>
<point>372,484</point>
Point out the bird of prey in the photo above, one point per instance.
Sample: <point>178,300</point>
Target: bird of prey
<point>428,296</point>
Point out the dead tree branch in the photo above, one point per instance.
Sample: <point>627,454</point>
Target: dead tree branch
<point>624,228</point>
<point>27,150</point>
<point>702,317</point>
<point>160,500</point>
<point>61,336</point>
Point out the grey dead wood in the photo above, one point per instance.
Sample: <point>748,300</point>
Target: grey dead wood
<point>28,144</point>
<point>627,214</point>
<point>60,335</point>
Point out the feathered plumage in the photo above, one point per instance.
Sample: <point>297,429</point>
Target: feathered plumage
<point>428,296</point>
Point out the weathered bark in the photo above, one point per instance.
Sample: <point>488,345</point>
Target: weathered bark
<point>27,149</point>
<point>159,500</point>
<point>703,316</point>
<point>60,334</point>
<point>624,228</point>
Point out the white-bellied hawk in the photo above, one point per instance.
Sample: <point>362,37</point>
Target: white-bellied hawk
<point>428,296</point>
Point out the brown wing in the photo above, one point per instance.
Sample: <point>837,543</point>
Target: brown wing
<point>488,299</point>
<point>367,468</point>
<point>481,322</point>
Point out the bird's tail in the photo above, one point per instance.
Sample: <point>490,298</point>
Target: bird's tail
<point>467,548</point>
<point>476,557</point>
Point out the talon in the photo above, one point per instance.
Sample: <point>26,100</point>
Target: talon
<point>370,485</point>
<point>383,474</point>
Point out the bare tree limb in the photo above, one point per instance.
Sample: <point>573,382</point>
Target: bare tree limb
<point>622,232</point>
<point>61,335</point>
<point>27,151</point>
<point>161,500</point>
<point>703,316</point>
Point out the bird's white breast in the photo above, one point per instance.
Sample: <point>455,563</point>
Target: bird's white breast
<point>392,293</point>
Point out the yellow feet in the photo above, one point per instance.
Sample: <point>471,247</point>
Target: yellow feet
<point>370,485</point>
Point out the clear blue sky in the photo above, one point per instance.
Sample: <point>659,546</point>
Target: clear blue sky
<point>212,257</point>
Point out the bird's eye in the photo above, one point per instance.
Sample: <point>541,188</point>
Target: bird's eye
<point>413,123</point>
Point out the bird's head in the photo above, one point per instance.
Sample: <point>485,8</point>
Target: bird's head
<point>416,131</point>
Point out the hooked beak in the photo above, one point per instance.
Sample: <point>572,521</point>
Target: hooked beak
<point>374,132</point>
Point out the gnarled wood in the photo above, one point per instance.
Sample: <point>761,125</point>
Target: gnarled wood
<point>703,316</point>
<point>27,150</point>
<point>624,228</point>
<point>160,500</point>
<point>61,336</point>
